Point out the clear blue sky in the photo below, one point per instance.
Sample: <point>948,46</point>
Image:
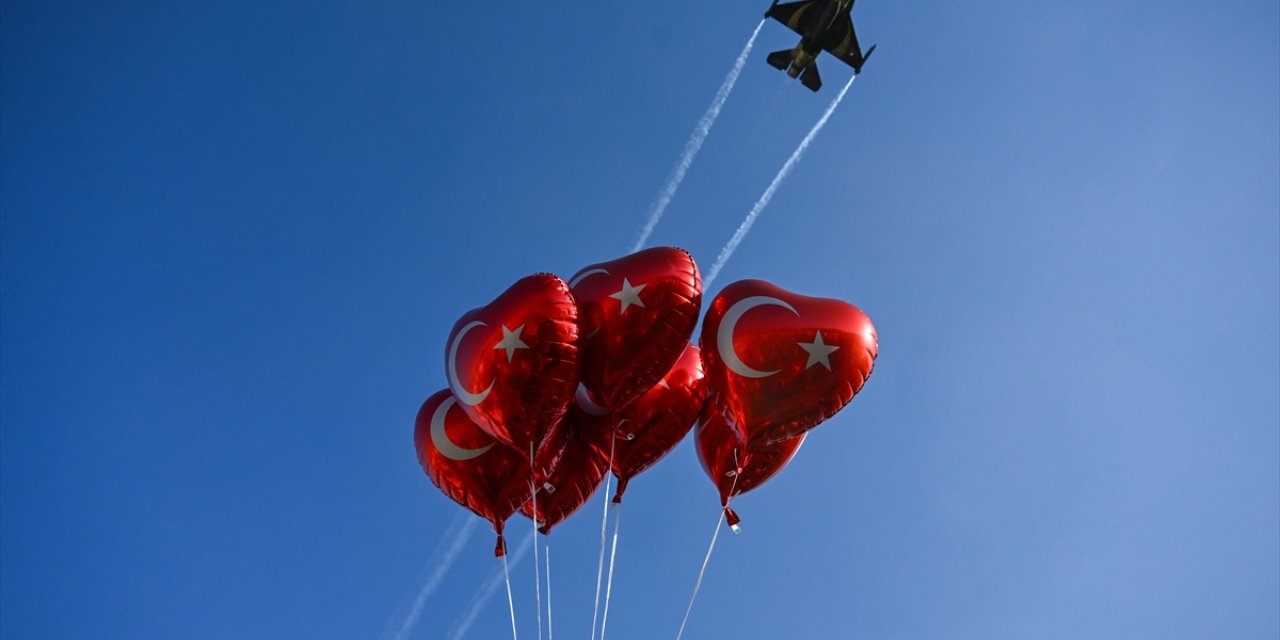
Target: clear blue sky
<point>234,238</point>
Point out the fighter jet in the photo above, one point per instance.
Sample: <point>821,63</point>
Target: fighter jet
<point>824,25</point>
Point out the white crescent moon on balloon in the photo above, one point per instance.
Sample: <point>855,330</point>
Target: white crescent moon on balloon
<point>468,398</point>
<point>440,438</point>
<point>724,336</point>
<point>584,275</point>
<point>588,405</point>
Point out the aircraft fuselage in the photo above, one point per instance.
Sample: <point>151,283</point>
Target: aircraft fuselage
<point>823,25</point>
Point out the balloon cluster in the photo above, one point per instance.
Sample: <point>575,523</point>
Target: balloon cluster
<point>552,385</point>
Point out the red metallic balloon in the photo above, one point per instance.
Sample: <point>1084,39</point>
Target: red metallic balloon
<point>513,363</point>
<point>637,313</point>
<point>583,461</point>
<point>779,363</point>
<point>734,466</point>
<point>653,425</point>
<point>468,465</point>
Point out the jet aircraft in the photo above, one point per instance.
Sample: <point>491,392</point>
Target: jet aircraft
<point>824,25</point>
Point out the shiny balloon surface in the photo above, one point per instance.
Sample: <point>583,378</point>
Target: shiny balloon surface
<point>581,462</point>
<point>650,427</point>
<point>637,313</point>
<point>734,466</point>
<point>467,464</point>
<point>779,363</point>
<point>513,363</point>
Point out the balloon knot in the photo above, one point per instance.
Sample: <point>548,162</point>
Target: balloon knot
<point>501,549</point>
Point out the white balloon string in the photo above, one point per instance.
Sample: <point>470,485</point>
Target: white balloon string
<point>698,585</point>
<point>487,590</point>
<point>550,636</point>
<point>511,605</point>
<point>604,522</point>
<point>537,577</point>
<point>617,524</point>
<point>763,202</point>
<point>691,147</point>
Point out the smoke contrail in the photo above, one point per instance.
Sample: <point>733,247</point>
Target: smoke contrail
<point>457,539</point>
<point>763,202</point>
<point>695,143</point>
<point>486,593</point>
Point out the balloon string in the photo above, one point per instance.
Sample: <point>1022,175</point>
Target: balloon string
<point>550,636</point>
<point>698,585</point>
<point>604,522</point>
<point>511,605</point>
<point>537,578</point>
<point>617,524</point>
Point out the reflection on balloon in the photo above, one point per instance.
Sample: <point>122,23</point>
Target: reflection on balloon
<point>653,425</point>
<point>490,481</point>
<point>780,363</point>
<point>521,350</point>
<point>734,466</point>
<point>636,315</point>
<point>582,462</point>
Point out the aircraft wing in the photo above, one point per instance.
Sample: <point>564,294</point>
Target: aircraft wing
<point>842,41</point>
<point>791,14</point>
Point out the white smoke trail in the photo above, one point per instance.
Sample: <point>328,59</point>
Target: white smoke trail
<point>695,143</point>
<point>763,202</point>
<point>456,536</point>
<point>486,593</point>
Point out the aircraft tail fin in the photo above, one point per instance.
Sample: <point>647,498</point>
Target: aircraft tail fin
<point>780,59</point>
<point>810,77</point>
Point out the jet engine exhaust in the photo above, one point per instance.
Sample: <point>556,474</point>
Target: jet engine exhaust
<point>694,144</point>
<point>732,245</point>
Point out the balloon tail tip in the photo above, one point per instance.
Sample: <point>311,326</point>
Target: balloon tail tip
<point>732,518</point>
<point>622,488</point>
<point>501,548</point>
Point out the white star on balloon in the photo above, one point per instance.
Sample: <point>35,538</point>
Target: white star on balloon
<point>629,295</point>
<point>819,351</point>
<point>511,341</point>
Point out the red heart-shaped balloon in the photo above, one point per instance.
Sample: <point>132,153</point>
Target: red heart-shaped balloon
<point>582,461</point>
<point>465,463</point>
<point>654,424</point>
<point>734,466</point>
<point>636,314</point>
<point>779,363</point>
<point>513,363</point>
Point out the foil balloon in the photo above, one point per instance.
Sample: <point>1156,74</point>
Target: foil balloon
<point>512,364</point>
<point>468,465</point>
<point>636,314</point>
<point>654,424</point>
<point>734,466</point>
<point>779,363</point>
<point>582,460</point>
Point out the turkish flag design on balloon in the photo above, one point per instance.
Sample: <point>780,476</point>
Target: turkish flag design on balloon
<point>734,466</point>
<point>654,424</point>
<point>512,364</point>
<point>582,460</point>
<point>779,363</point>
<point>637,313</point>
<point>468,465</point>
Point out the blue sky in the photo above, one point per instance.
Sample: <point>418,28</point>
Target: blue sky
<point>233,238</point>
